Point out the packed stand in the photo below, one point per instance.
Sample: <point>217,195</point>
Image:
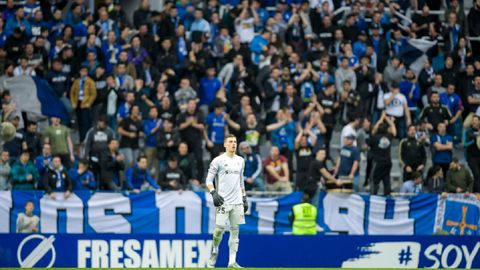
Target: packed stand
<point>151,99</point>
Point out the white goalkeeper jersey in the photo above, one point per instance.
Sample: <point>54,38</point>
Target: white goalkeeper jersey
<point>227,172</point>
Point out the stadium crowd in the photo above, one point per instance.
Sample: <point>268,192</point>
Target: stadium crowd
<point>151,98</point>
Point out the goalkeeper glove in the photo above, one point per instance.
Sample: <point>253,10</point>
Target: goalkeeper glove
<point>217,199</point>
<point>245,204</point>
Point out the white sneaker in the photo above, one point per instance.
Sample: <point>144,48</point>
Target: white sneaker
<point>213,260</point>
<point>234,265</point>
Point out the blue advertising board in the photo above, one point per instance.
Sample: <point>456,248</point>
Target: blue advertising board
<point>179,251</point>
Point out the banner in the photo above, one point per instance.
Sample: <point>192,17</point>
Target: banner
<point>182,251</point>
<point>193,213</point>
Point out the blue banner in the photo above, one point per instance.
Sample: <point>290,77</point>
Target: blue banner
<point>193,213</point>
<point>180,251</point>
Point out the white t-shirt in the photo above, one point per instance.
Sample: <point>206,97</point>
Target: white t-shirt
<point>227,172</point>
<point>245,29</point>
<point>396,107</point>
<point>348,130</point>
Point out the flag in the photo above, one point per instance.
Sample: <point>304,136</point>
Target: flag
<point>34,95</point>
<point>414,53</point>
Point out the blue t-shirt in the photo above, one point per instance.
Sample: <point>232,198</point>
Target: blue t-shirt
<point>150,137</point>
<point>284,136</point>
<point>441,157</point>
<point>216,127</point>
<point>208,89</point>
<point>348,155</point>
<point>453,102</point>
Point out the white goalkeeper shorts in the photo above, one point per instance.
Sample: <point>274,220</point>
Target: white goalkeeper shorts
<point>231,212</point>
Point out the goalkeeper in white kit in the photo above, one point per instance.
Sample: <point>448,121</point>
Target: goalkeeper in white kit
<point>229,198</point>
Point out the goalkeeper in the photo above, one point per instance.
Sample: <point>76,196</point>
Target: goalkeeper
<point>228,193</point>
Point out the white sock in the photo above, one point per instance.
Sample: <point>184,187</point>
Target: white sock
<point>232,258</point>
<point>233,245</point>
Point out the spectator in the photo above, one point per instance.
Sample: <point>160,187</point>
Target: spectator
<point>112,165</point>
<point>42,162</point>
<point>458,179</point>
<point>32,139</point>
<point>82,178</point>
<point>252,172</point>
<point>350,129</point>
<point>56,179</point>
<point>473,100</point>
<point>435,180</point>
<point>138,178</point>
<point>284,136</point>
<point>24,69</point>
<point>454,104</point>
<point>58,136</point>
<point>19,21</point>
<point>277,172</point>
<point>319,176</point>
<point>380,144</point>
<point>5,171</point>
<point>28,222</point>
<point>215,130</point>
<point>105,24</point>
<point>96,142</point>
<point>471,138</point>
<point>393,72</point>
<point>435,113</point>
<point>348,164</point>
<point>172,177</point>
<point>209,86</point>
<point>191,126</point>
<point>137,54</point>
<point>304,148</point>
<point>23,173</point>
<point>412,154</point>
<point>82,96</point>
<point>345,73</point>
<point>142,14</point>
<point>411,90</point>
<point>149,74</point>
<point>184,93</point>
<point>151,128</point>
<point>130,130</point>
<point>413,186</point>
<point>168,139</point>
<point>442,144</point>
<point>397,106</point>
<point>188,165</point>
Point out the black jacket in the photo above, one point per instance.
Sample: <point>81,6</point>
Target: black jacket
<point>51,178</point>
<point>110,167</point>
<point>412,153</point>
<point>170,174</point>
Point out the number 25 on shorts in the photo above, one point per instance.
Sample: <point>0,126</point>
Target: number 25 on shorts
<point>221,210</point>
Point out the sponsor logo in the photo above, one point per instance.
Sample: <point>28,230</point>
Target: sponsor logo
<point>132,253</point>
<point>38,252</point>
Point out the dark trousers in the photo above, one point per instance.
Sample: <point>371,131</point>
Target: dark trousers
<point>301,180</point>
<point>196,149</point>
<point>381,173</point>
<point>289,155</point>
<point>474,164</point>
<point>84,117</point>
